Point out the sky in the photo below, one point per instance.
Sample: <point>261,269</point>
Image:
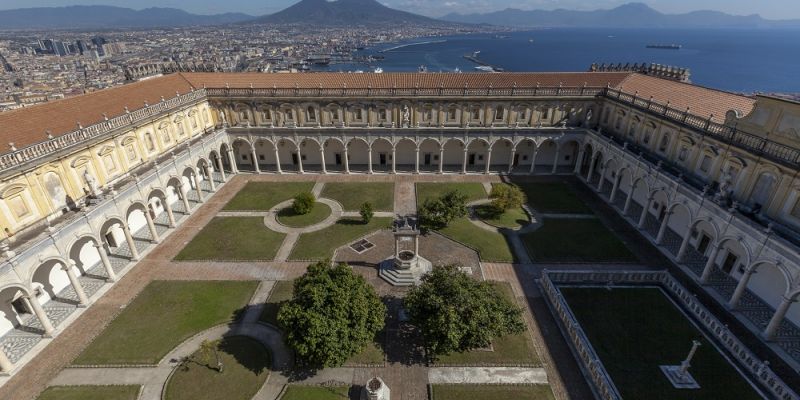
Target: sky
<point>771,9</point>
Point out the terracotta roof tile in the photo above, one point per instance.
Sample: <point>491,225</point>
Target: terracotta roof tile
<point>30,125</point>
<point>701,100</point>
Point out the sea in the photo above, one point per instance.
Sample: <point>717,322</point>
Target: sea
<point>741,60</point>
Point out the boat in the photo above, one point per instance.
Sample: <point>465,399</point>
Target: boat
<point>665,46</point>
<point>423,68</point>
<point>484,68</point>
<point>378,70</point>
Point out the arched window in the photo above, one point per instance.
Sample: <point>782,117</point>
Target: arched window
<point>382,114</point>
<point>311,114</point>
<point>476,112</point>
<point>662,147</point>
<point>451,113</point>
<point>762,190</point>
<point>149,144</point>
<point>499,113</point>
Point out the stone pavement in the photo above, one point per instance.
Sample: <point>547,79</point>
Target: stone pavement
<point>405,197</point>
<point>487,375</point>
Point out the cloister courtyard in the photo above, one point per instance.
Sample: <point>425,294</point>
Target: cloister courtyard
<point>225,271</point>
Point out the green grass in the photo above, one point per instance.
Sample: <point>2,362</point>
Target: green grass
<point>554,197</point>
<point>575,240</point>
<point>371,355</point>
<point>233,238</point>
<point>491,246</point>
<point>507,350</point>
<point>245,369</point>
<point>352,194</point>
<point>320,245</point>
<point>85,392</point>
<point>318,213</point>
<point>297,392</point>
<point>262,196</point>
<point>281,293</point>
<point>492,392</point>
<point>162,316</point>
<point>473,190</point>
<point>514,218</point>
<point>634,330</point>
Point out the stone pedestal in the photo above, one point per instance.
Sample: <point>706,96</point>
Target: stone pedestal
<point>680,379</point>
<point>375,389</point>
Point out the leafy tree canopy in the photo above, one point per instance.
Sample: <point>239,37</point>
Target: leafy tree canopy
<point>332,315</point>
<point>366,212</point>
<point>303,203</point>
<point>438,213</point>
<point>458,313</point>
<point>505,197</point>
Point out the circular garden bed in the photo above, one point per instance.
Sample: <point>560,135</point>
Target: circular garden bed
<point>318,213</point>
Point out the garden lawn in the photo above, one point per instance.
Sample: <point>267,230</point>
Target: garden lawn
<point>281,293</point>
<point>491,246</point>
<point>425,190</point>
<point>492,392</point>
<point>634,330</point>
<point>318,213</point>
<point>233,238</point>
<point>262,196</point>
<point>84,392</point>
<point>575,240</point>
<point>352,194</point>
<point>371,355</point>
<point>513,218</point>
<point>320,245</point>
<point>162,316</point>
<point>553,197</point>
<point>507,350</point>
<point>298,392</point>
<point>245,369</point>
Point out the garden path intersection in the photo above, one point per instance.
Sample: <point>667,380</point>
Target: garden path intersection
<point>556,366</point>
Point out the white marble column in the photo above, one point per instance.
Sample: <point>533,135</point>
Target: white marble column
<point>151,226</point>
<point>602,181</point>
<point>101,250</point>
<point>740,287</point>
<point>662,230</point>
<point>131,243</point>
<point>322,158</point>
<point>346,161</point>
<point>710,264</point>
<point>777,318</point>
<point>555,161</point>
<point>394,161</point>
<point>232,160</point>
<point>197,189</point>
<point>533,161</point>
<point>83,300</point>
<point>614,189</point>
<point>369,160</point>
<point>511,160</point>
<point>579,162</point>
<point>41,316</point>
<point>278,161</point>
<point>629,199</point>
<point>207,170</point>
<point>645,210</point>
<point>488,161</point>
<point>591,170</point>
<point>300,162</point>
<point>5,364</point>
<point>221,169</point>
<point>184,198</point>
<point>255,160</point>
<point>170,213</point>
<point>684,244</point>
<point>416,161</point>
<point>441,160</point>
<point>464,164</point>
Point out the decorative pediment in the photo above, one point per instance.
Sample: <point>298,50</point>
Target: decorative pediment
<point>105,150</point>
<point>78,161</point>
<point>13,189</point>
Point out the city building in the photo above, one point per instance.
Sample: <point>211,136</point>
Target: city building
<point>709,176</point>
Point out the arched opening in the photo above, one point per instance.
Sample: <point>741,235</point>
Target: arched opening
<point>429,155</point>
<point>15,311</point>
<point>157,203</point>
<point>703,236</point>
<point>214,161</point>
<point>224,156</point>
<point>501,155</point>
<point>453,155</point>
<point>545,156</point>
<point>358,155</point>
<point>677,227</point>
<point>243,154</point>
<point>477,151</point>
<point>50,280</point>
<point>381,155</point>
<point>768,283</point>
<point>175,192</point>
<point>524,156</point>
<point>265,155</point>
<point>287,153</point>
<point>733,257</point>
<point>656,212</point>
<point>137,222</point>
<point>86,255</point>
<point>588,152</point>
<point>597,167</point>
<point>191,183</point>
<point>310,155</point>
<point>624,180</point>
<point>334,155</point>
<point>406,153</point>
<point>567,156</point>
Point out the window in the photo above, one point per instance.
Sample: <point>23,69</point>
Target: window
<point>148,142</point>
<point>476,112</point>
<point>427,114</point>
<point>18,206</point>
<point>705,164</point>
<point>358,114</point>
<point>683,154</point>
<point>382,114</point>
<point>311,115</point>
<point>266,115</point>
<point>131,152</point>
<point>243,116</point>
<point>762,190</point>
<point>499,113</point>
<point>546,114</point>
<point>165,135</point>
<point>451,114</point>
<point>193,120</point>
<point>664,143</point>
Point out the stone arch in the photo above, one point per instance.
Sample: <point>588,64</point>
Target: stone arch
<point>310,155</point>
<point>48,279</point>
<point>731,247</point>
<point>405,152</point>
<point>243,154</point>
<point>477,150</point>
<point>265,154</point>
<point>546,155</point>
<point>772,283</point>
<point>111,232</point>
<point>334,154</point>
<point>761,193</point>
<point>453,154</point>
<point>641,191</point>
<point>381,154</point>
<point>287,154</point>
<point>568,155</point>
<point>137,221</point>
<point>12,308</point>
<point>501,155</point>
<point>429,154</point>
<point>358,154</point>
<point>524,150</point>
<point>83,250</point>
<point>224,155</point>
<point>588,156</point>
<point>680,218</point>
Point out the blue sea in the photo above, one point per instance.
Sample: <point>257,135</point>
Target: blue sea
<point>735,60</point>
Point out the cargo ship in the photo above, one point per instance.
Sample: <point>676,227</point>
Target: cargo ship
<point>664,46</point>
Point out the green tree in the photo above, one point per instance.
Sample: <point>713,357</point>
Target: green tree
<point>366,212</point>
<point>457,313</point>
<point>332,315</point>
<point>207,349</point>
<point>438,213</point>
<point>505,197</point>
<point>303,203</point>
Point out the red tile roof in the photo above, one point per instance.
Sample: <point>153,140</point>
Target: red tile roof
<point>31,125</point>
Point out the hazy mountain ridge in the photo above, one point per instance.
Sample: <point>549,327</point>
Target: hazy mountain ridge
<point>631,15</point>
<point>345,12</point>
<point>89,17</point>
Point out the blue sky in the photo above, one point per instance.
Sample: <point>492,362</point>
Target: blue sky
<point>773,9</point>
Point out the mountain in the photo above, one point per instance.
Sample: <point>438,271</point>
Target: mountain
<point>631,15</point>
<point>101,17</point>
<point>345,12</point>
